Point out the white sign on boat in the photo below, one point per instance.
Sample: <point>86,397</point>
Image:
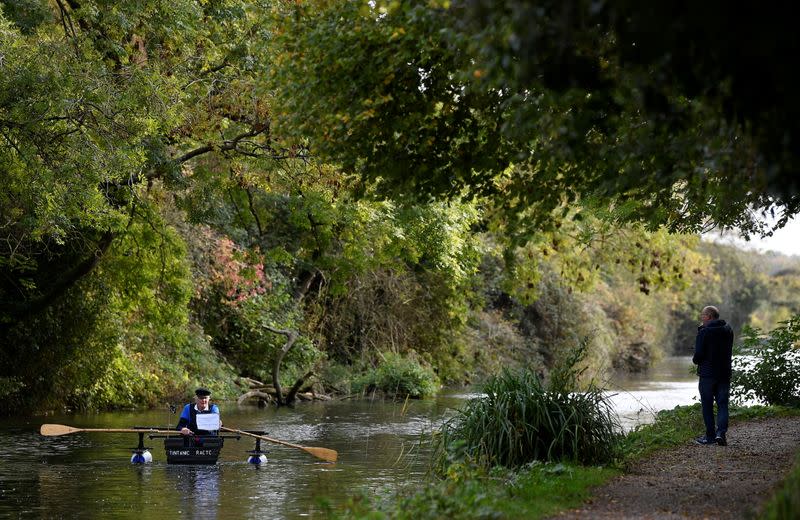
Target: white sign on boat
<point>208,421</point>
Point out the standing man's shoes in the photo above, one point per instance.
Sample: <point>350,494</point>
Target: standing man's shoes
<point>705,441</point>
<point>721,440</point>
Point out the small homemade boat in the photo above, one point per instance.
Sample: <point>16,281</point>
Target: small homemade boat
<point>194,449</point>
<point>190,449</point>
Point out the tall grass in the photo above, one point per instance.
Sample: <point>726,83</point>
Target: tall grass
<point>520,420</point>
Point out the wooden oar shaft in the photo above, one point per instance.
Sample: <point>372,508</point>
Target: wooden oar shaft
<point>326,454</point>
<point>62,429</point>
<point>276,441</point>
<point>263,437</point>
<point>130,430</point>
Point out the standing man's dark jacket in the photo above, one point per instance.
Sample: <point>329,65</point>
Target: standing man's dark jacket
<point>713,349</point>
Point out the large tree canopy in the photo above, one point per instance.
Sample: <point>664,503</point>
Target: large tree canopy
<point>180,177</point>
<point>536,107</point>
<point>679,115</point>
<point>98,100</point>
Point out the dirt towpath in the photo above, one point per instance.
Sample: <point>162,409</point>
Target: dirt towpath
<point>702,482</point>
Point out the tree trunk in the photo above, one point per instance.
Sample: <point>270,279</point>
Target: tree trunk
<point>291,337</point>
<point>265,396</point>
<point>291,396</point>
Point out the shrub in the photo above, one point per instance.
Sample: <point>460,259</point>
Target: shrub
<point>519,421</point>
<point>335,377</point>
<point>767,368</point>
<point>400,377</point>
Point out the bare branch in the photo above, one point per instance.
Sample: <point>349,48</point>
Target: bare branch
<point>252,206</point>
<point>66,20</point>
<point>227,145</point>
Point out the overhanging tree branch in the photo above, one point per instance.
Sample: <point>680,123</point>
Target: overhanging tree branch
<point>227,145</point>
<point>69,278</point>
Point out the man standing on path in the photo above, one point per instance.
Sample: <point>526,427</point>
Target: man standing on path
<point>712,355</point>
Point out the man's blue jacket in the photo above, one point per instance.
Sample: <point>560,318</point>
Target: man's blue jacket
<point>189,418</point>
<point>713,349</point>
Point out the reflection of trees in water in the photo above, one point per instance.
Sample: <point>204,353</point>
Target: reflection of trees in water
<point>99,489</point>
<point>198,489</point>
<point>118,490</point>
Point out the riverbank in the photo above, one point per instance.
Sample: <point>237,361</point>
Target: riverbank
<point>662,474</point>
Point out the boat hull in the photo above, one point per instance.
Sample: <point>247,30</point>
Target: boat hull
<point>193,450</point>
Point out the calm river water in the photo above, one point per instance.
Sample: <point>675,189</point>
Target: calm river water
<point>382,446</point>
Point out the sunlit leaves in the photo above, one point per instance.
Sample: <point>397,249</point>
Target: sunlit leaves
<point>70,134</point>
<point>589,250</point>
<point>106,96</point>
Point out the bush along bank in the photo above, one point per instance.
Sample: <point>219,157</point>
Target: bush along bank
<point>785,504</point>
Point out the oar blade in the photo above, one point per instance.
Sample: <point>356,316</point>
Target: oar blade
<point>51,430</point>
<point>325,454</point>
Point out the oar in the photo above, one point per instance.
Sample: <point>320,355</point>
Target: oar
<point>51,430</point>
<point>321,453</point>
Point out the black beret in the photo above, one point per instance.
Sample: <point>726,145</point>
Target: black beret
<point>202,392</point>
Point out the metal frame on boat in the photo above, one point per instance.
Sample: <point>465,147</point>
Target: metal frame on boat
<point>192,449</point>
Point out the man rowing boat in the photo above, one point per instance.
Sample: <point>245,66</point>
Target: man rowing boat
<point>202,418</point>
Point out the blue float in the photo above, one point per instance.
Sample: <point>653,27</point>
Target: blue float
<point>257,459</point>
<point>257,456</point>
<point>141,457</point>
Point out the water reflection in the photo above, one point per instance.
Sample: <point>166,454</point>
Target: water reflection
<point>198,490</point>
<point>637,398</point>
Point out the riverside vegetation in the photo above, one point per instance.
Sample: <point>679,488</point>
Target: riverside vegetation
<point>177,185</point>
<point>524,451</point>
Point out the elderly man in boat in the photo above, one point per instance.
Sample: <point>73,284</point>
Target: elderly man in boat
<point>200,418</point>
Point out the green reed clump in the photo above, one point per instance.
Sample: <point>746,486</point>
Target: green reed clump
<point>520,420</point>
